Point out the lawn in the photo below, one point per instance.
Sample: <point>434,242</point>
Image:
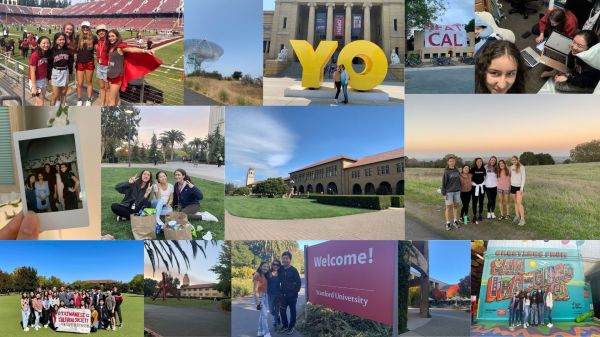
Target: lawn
<point>279,208</point>
<point>212,202</point>
<point>185,302</point>
<point>133,318</point>
<point>560,201</point>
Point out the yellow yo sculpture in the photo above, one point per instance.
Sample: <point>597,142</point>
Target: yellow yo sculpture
<point>314,61</point>
<point>376,66</point>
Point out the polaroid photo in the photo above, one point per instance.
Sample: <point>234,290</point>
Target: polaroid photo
<point>51,178</point>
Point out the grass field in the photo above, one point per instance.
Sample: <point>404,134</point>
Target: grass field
<point>560,201</point>
<point>185,302</point>
<point>279,208</point>
<point>212,202</point>
<point>133,319</point>
<point>226,92</point>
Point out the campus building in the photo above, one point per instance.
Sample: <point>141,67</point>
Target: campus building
<point>427,53</point>
<point>216,119</point>
<point>383,172</point>
<point>378,21</point>
<point>200,290</point>
<point>570,268</point>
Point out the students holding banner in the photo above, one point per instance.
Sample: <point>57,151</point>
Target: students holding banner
<point>290,287</point>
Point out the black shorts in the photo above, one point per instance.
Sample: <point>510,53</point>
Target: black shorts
<point>514,189</point>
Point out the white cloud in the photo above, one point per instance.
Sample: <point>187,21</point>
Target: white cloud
<point>258,140</point>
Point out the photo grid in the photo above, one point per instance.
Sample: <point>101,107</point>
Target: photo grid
<point>301,168</point>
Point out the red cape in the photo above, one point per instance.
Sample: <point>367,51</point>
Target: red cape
<point>138,65</point>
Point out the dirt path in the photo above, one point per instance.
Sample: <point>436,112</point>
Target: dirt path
<point>381,225</point>
<point>424,222</point>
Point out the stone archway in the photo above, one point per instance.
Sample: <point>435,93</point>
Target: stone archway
<point>309,188</point>
<point>319,188</point>
<point>400,187</point>
<point>369,189</point>
<point>301,189</point>
<point>332,188</point>
<point>384,188</point>
<point>356,189</point>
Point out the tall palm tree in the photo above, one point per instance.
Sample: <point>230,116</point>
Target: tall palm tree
<point>164,145</point>
<point>169,252</point>
<point>272,249</point>
<point>174,136</point>
<point>195,144</point>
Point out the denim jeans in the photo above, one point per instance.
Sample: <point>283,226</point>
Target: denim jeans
<point>274,303</point>
<point>25,318</point>
<point>345,88</point>
<point>263,317</point>
<point>37,318</point>
<point>541,313</point>
<point>534,314</point>
<point>511,316</point>
<point>549,309</point>
<point>526,317</point>
<point>288,300</point>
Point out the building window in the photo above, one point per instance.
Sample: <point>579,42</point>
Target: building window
<point>284,23</point>
<point>399,167</point>
<point>427,56</point>
<point>367,172</point>
<point>395,25</point>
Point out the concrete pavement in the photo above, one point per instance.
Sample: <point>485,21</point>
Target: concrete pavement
<point>191,97</point>
<point>187,321</point>
<point>443,322</point>
<point>202,171</point>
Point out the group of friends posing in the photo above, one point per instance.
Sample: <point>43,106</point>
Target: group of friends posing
<point>496,180</point>
<point>276,288</point>
<point>53,189</point>
<point>500,68</point>
<point>52,61</point>
<point>526,308</point>
<point>141,192</point>
<point>39,309</point>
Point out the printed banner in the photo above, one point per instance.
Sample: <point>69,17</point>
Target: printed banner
<point>73,320</point>
<point>321,23</point>
<point>338,25</point>
<point>445,36</point>
<point>334,268</point>
<point>356,24</point>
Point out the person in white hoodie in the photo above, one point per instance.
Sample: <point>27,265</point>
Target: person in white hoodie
<point>549,305</point>
<point>517,188</point>
<point>491,186</point>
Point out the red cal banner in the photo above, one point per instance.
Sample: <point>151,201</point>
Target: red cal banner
<point>356,277</point>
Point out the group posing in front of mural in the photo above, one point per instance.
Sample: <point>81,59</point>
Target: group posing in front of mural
<point>39,309</point>
<point>54,188</point>
<point>276,288</point>
<point>530,309</point>
<point>494,180</point>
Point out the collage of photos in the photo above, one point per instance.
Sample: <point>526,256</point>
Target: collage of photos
<point>305,168</point>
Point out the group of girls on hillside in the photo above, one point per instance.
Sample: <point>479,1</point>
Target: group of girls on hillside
<point>494,181</point>
<point>53,61</point>
<point>39,309</point>
<point>141,192</point>
<point>501,69</point>
<point>55,188</point>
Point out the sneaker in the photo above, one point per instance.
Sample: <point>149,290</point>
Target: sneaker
<point>521,222</point>
<point>516,218</point>
<point>550,325</point>
<point>118,218</point>
<point>88,102</point>
<point>493,215</point>
<point>26,329</point>
<point>37,328</point>
<point>114,328</point>
<point>79,103</point>
<point>46,326</point>
<point>456,224</point>
<point>290,331</point>
<point>489,215</point>
<point>448,228</point>
<point>336,101</point>
<point>268,334</point>
<point>525,325</point>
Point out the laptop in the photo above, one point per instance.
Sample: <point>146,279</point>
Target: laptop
<point>530,57</point>
<point>555,52</point>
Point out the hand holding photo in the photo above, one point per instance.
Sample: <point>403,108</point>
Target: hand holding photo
<point>52,180</point>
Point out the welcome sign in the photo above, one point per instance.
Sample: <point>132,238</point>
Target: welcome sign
<point>525,266</point>
<point>73,320</point>
<point>356,277</point>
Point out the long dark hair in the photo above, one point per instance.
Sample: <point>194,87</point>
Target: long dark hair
<point>56,36</point>
<point>185,175</point>
<point>110,46</point>
<point>158,173</point>
<point>560,16</point>
<point>139,182</point>
<point>39,50</point>
<point>259,271</point>
<point>492,51</point>
<point>28,183</point>
<point>591,39</point>
<point>475,163</point>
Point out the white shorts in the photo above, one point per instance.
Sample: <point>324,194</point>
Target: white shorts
<point>40,84</point>
<point>60,77</point>
<point>101,72</point>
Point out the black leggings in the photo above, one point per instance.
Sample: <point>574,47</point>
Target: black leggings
<point>122,211</point>
<point>465,197</point>
<point>477,200</point>
<point>491,193</point>
<point>338,87</point>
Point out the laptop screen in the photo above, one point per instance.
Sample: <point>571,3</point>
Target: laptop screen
<point>559,42</point>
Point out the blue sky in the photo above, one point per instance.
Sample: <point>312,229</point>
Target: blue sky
<point>275,141</point>
<point>268,5</point>
<point>235,25</point>
<point>199,268</point>
<point>457,11</point>
<point>449,260</point>
<point>75,260</point>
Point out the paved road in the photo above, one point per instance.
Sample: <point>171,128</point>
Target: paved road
<point>440,80</point>
<point>190,97</point>
<point>245,316</point>
<point>185,321</point>
<point>379,225</point>
<point>202,171</point>
<point>446,322</point>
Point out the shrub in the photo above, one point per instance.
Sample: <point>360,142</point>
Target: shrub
<point>241,287</point>
<point>196,86</point>
<point>226,305</point>
<point>397,201</point>
<point>243,101</point>
<point>325,322</point>
<point>360,201</point>
<point>223,96</point>
<point>245,273</point>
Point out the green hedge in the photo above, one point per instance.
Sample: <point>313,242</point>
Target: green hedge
<point>397,201</point>
<point>226,305</point>
<point>359,201</point>
<point>241,287</point>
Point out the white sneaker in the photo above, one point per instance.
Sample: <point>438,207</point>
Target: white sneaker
<point>207,216</point>
<point>550,325</point>
<point>88,102</point>
<point>521,222</point>
<point>525,325</point>
<point>268,334</point>
<point>37,328</point>
<point>493,215</point>
<point>46,326</point>
<point>114,328</point>
<point>79,103</point>
<point>489,215</point>
<point>26,329</point>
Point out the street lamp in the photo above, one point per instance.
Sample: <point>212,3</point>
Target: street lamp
<point>129,112</point>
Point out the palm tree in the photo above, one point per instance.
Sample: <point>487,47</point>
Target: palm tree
<point>174,136</point>
<point>169,252</point>
<point>164,144</point>
<point>272,249</point>
<point>195,143</point>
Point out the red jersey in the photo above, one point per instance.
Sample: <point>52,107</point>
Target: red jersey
<point>40,63</point>
<point>101,52</point>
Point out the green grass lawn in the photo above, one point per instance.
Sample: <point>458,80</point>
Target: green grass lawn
<point>279,208</point>
<point>212,202</point>
<point>560,200</point>
<point>172,55</point>
<point>133,319</point>
<point>185,302</point>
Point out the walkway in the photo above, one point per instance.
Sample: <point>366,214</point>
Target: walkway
<point>443,322</point>
<point>381,225</point>
<point>194,98</point>
<point>187,321</point>
<point>202,171</point>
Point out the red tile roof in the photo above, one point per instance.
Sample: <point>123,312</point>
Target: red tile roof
<point>393,154</point>
<point>199,286</point>
<point>324,162</point>
<point>100,281</point>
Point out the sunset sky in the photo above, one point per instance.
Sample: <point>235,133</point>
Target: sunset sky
<point>500,125</point>
<point>191,120</point>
